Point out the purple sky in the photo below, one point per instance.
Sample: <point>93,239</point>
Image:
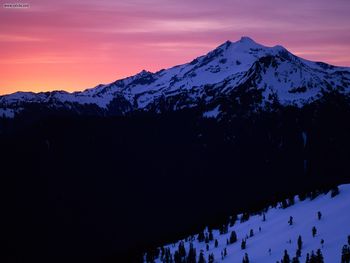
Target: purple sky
<point>74,45</point>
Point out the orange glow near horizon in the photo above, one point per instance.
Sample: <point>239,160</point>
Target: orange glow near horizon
<point>74,45</point>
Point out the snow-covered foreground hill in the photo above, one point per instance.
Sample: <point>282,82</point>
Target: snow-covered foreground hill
<point>275,235</point>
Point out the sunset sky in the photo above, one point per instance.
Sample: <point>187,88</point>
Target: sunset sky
<point>73,45</point>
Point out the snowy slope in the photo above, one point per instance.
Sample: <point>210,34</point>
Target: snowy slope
<point>244,63</point>
<point>276,233</point>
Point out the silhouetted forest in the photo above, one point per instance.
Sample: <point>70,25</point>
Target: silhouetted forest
<point>103,189</point>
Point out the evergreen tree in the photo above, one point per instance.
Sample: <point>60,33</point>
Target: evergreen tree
<point>225,252</point>
<point>245,217</point>
<point>313,257</point>
<point>298,253</point>
<point>207,247</point>
<point>300,243</point>
<point>314,231</point>
<point>211,258</point>
<point>295,260</point>
<point>243,244</point>
<point>334,191</point>
<point>191,258</point>
<point>319,215</point>
<point>233,220</point>
<point>201,257</point>
<point>286,258</point>
<point>233,237</point>
<point>211,237</point>
<point>291,200</point>
<point>314,194</point>
<point>206,238</point>
<point>302,196</point>
<point>223,229</point>
<point>201,236</point>
<point>167,256</point>
<point>149,257</point>
<point>251,233</point>
<point>284,204</point>
<point>245,258</point>
<point>216,243</point>
<point>345,255</point>
<point>319,256</point>
<point>156,253</point>
<point>177,258</point>
<point>307,258</point>
<point>264,217</point>
<point>182,250</point>
<point>162,252</point>
<point>290,221</point>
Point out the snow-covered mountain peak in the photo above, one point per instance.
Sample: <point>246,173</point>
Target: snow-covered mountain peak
<point>244,63</point>
<point>245,44</point>
<point>143,73</point>
<point>246,39</point>
<point>248,42</point>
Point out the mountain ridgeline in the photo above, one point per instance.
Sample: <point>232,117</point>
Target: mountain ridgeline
<point>239,71</point>
<point>104,174</point>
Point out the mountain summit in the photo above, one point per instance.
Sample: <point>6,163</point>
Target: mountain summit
<point>229,70</point>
